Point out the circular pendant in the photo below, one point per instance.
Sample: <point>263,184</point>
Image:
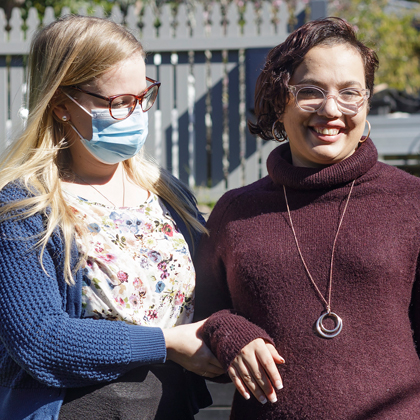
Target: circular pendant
<point>326,333</point>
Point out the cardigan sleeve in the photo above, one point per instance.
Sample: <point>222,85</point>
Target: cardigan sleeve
<point>38,333</point>
<point>226,331</point>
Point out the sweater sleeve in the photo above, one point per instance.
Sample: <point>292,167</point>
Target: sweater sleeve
<point>226,331</point>
<point>38,333</point>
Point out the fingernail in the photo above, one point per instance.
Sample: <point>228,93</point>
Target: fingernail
<point>262,399</point>
<point>282,360</point>
<point>273,399</point>
<point>278,385</point>
<point>247,396</point>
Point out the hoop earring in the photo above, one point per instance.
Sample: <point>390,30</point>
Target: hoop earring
<point>363,139</point>
<point>273,132</point>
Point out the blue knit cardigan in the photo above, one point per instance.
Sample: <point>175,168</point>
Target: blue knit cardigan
<point>45,347</point>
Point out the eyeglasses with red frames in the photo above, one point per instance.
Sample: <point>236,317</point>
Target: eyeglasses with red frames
<point>127,101</point>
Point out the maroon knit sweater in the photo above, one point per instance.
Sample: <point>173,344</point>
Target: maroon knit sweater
<point>251,266</point>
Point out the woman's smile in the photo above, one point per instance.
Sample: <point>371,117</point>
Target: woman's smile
<point>328,135</point>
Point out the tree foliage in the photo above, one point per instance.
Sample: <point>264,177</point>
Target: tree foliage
<point>393,36</point>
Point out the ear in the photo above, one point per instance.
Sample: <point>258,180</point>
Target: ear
<point>59,104</point>
<point>61,112</point>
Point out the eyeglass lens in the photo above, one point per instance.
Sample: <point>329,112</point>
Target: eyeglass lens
<point>123,105</point>
<point>348,101</point>
<point>149,99</point>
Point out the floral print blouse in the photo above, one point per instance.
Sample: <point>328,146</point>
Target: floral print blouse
<point>138,267</point>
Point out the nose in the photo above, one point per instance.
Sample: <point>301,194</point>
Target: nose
<point>330,107</point>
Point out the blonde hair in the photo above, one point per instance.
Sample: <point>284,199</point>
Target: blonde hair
<point>71,51</point>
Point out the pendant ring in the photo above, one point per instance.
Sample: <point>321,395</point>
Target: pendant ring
<point>325,332</point>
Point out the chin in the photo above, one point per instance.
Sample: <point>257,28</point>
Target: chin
<point>329,157</point>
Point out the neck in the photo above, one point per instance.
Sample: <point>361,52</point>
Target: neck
<point>98,173</point>
<point>302,163</point>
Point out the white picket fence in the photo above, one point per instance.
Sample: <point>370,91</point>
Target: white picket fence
<point>207,59</point>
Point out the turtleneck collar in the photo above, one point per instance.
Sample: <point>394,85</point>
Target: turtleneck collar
<point>281,170</point>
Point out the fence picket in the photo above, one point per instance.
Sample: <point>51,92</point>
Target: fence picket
<point>65,11</point>
<point>148,31</point>
<point>216,19</point>
<point>182,24</point>
<point>99,12</point>
<point>166,27</point>
<point>3,24</point>
<point>49,16</point>
<point>233,28</point>
<point>200,23</point>
<point>82,11</point>
<point>132,21</point>
<point>153,145</point>
<point>250,26</point>
<point>3,103</point>
<point>166,101</point>
<point>16,93</point>
<point>3,84</point>
<point>283,16</point>
<point>16,22</point>
<point>116,14</point>
<point>32,23</point>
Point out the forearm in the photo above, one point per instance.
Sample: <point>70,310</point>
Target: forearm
<point>38,333</point>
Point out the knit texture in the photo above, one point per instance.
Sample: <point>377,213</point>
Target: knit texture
<point>43,342</point>
<point>250,265</point>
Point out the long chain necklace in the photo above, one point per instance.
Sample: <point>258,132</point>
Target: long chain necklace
<point>338,322</point>
<point>106,198</point>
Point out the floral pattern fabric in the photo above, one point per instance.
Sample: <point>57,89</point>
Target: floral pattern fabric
<point>138,267</point>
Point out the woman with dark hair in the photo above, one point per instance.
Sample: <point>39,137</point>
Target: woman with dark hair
<point>315,267</point>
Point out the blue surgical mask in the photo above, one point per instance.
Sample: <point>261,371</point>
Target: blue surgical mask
<point>114,140</point>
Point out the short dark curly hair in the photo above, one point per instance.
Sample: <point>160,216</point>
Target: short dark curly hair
<point>271,91</point>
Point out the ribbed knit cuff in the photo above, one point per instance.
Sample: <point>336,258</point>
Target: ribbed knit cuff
<point>226,334</point>
<point>147,345</point>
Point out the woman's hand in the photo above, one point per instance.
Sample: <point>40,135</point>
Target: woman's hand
<point>255,370</point>
<point>184,345</point>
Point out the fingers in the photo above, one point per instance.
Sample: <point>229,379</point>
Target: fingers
<point>268,361</point>
<point>237,381</point>
<point>255,379</point>
<point>275,355</point>
<point>254,370</point>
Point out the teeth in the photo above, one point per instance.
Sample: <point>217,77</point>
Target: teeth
<point>327,131</point>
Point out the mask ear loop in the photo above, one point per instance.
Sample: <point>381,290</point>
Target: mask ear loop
<point>77,103</point>
<point>69,122</point>
<point>363,139</point>
<point>77,131</point>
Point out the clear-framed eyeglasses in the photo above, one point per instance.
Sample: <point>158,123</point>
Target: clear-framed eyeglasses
<point>312,98</point>
<point>127,101</point>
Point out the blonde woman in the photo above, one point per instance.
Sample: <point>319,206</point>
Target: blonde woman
<point>95,244</point>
